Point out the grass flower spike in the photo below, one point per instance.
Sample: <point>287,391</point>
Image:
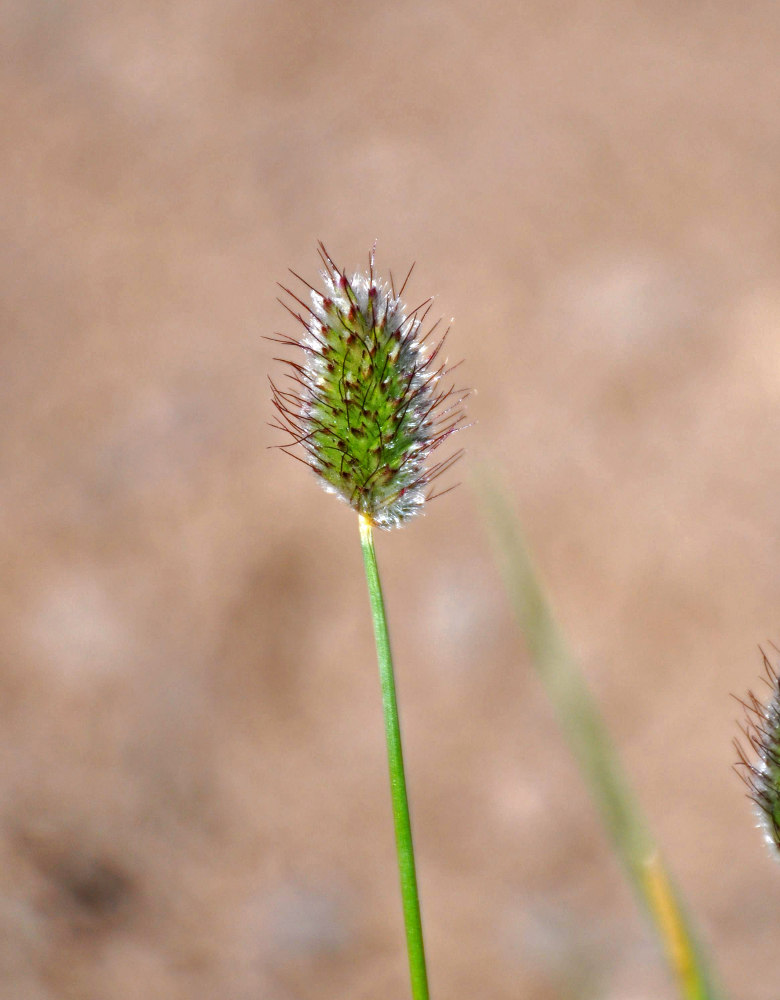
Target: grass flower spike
<point>366,403</point>
<point>367,407</point>
<point>761,773</point>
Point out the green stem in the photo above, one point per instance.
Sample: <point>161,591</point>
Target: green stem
<point>583,725</point>
<point>403,828</point>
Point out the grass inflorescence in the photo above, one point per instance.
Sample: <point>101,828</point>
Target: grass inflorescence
<point>759,758</point>
<point>366,403</point>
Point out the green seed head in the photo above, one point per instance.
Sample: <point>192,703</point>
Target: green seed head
<point>366,404</point>
<point>759,761</point>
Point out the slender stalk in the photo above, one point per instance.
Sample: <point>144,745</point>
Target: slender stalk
<point>403,828</point>
<point>583,726</point>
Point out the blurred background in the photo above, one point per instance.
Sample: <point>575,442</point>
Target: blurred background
<point>193,795</point>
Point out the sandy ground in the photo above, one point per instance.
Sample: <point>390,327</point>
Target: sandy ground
<point>193,789</point>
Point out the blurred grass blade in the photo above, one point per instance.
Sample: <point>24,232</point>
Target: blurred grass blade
<point>585,731</point>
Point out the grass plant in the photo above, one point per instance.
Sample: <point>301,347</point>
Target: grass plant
<point>366,407</point>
